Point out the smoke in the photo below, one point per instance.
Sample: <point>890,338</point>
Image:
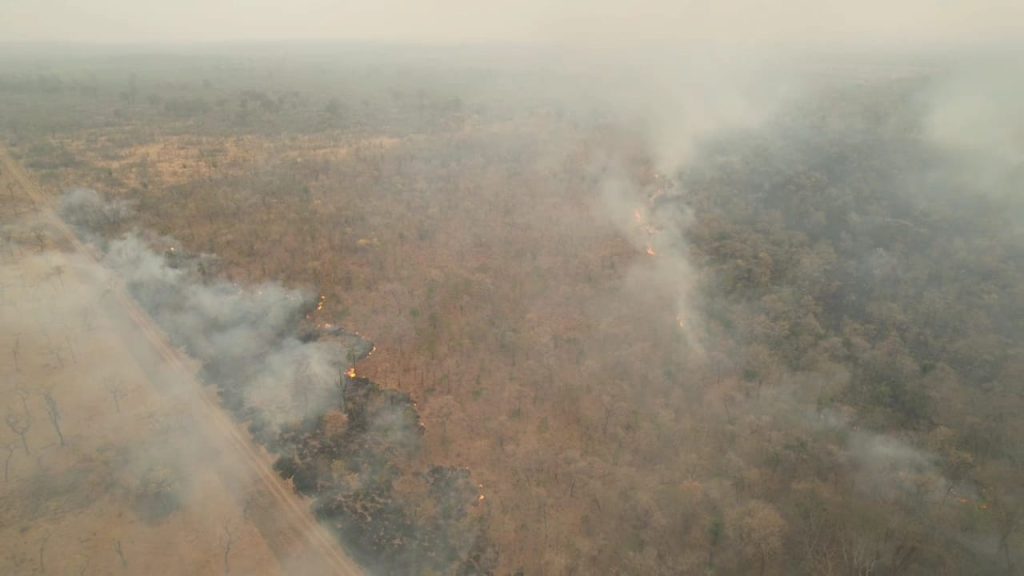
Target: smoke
<point>676,101</point>
<point>246,338</point>
<point>890,469</point>
<point>84,209</point>
<point>987,121</point>
<point>973,115</point>
<point>340,439</point>
<point>883,467</point>
<point>656,231</point>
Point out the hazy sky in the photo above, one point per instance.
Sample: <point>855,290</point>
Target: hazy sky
<point>588,21</point>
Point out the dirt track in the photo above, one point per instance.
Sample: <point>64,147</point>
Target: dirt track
<point>258,524</point>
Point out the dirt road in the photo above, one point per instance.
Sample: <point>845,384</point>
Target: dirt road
<point>148,474</point>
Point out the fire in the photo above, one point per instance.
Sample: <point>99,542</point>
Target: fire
<point>648,230</point>
<point>351,373</point>
<point>320,305</point>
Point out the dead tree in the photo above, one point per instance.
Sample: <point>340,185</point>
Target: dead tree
<point>20,426</point>
<point>58,271</point>
<point>120,554</point>
<point>54,413</point>
<point>42,549</point>
<point>7,461</point>
<point>71,346</point>
<point>114,387</point>
<point>15,353</point>
<point>87,320</point>
<point>227,539</point>
<point>23,396</point>
<point>58,360</point>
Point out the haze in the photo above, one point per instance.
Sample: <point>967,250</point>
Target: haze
<point>791,22</point>
<point>517,288</point>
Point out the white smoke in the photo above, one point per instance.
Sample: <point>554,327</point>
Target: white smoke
<point>245,337</point>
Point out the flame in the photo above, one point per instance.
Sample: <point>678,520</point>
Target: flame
<point>320,305</point>
<point>649,231</point>
<point>351,372</point>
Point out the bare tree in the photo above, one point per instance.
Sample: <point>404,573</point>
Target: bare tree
<point>20,426</point>
<point>71,346</point>
<point>58,272</point>
<point>120,553</point>
<point>7,461</point>
<point>23,396</point>
<point>54,412</point>
<point>15,353</point>
<point>58,360</point>
<point>227,540</point>
<point>114,387</point>
<point>87,320</point>
<point>42,550</point>
<point>40,238</point>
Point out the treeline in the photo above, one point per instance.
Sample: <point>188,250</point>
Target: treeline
<point>221,96</point>
<point>847,252</point>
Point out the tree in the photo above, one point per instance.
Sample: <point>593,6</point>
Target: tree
<point>20,425</point>
<point>227,540</point>
<point>760,529</point>
<point>7,460</point>
<point>114,387</point>
<point>54,413</point>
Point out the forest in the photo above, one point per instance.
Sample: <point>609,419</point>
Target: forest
<point>798,348</point>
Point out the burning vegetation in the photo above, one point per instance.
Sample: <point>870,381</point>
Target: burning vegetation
<point>350,445</point>
<point>794,347</point>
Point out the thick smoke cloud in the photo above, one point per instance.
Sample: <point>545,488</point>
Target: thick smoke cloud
<point>883,467</point>
<point>890,469</point>
<point>656,230</point>
<point>84,209</point>
<point>677,100</point>
<point>338,438</point>
<point>246,338</point>
<point>973,114</point>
